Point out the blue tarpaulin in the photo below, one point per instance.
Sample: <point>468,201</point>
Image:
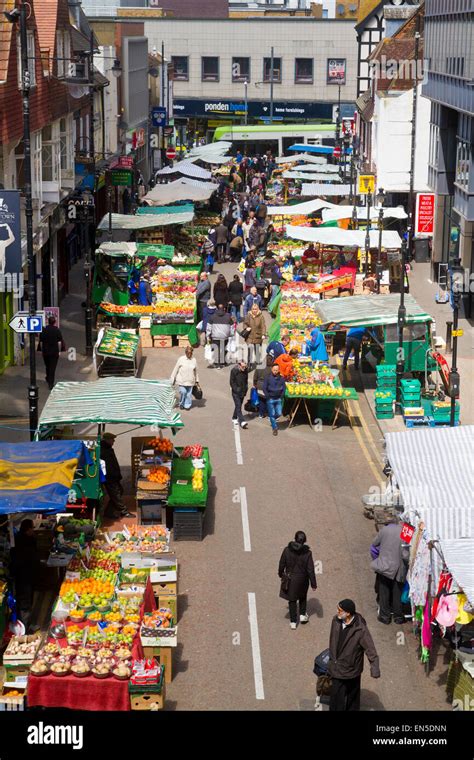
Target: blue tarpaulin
<point>322,149</point>
<point>37,476</point>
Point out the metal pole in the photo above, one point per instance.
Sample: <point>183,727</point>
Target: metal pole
<point>454,368</point>
<point>401,321</point>
<point>246,84</point>
<point>25,82</point>
<point>162,129</point>
<point>271,86</point>
<point>338,122</point>
<point>413,142</point>
<point>367,235</point>
<point>379,252</point>
<point>87,208</point>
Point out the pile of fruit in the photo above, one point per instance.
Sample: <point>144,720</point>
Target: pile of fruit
<point>318,389</point>
<point>135,575</point>
<point>162,445</point>
<point>89,591</point>
<point>198,480</point>
<point>384,394</point>
<point>162,618</point>
<point>194,451</point>
<point>159,475</point>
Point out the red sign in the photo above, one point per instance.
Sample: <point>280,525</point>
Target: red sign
<point>407,532</point>
<point>337,152</point>
<point>170,153</point>
<point>51,311</point>
<point>424,214</point>
<point>125,162</point>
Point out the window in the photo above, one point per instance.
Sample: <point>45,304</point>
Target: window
<point>50,153</point>
<point>59,53</point>
<point>181,67</point>
<point>240,69</point>
<point>462,164</point>
<point>30,37</point>
<point>303,70</point>
<point>210,69</point>
<point>66,147</point>
<point>67,53</point>
<point>267,62</point>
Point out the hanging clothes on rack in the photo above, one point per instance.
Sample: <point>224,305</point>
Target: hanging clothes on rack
<point>419,570</point>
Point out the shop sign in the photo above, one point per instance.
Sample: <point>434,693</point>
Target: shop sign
<point>424,214</point>
<point>121,177</point>
<point>158,116</point>
<point>287,110</point>
<point>366,184</point>
<point>139,138</point>
<point>336,71</point>
<point>124,162</point>
<point>407,532</point>
<point>10,232</point>
<point>51,311</point>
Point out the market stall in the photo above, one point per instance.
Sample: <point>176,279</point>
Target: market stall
<point>183,189</point>
<point>315,387</point>
<point>117,353</point>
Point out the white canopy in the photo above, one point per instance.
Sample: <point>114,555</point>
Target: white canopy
<point>183,189</point>
<point>350,238</point>
<point>127,248</point>
<point>214,158</point>
<point>144,221</point>
<point>345,212</point>
<point>219,147</point>
<point>308,207</point>
<point>301,157</point>
<point>187,168</point>
<point>316,188</point>
<point>317,177</point>
<point>324,169</point>
<point>459,558</point>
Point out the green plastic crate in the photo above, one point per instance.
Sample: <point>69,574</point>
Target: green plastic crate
<point>386,369</point>
<point>383,407</point>
<point>410,385</point>
<point>384,415</point>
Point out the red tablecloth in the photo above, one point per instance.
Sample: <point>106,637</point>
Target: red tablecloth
<point>87,693</point>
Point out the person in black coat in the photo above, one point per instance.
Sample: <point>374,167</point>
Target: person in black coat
<point>50,343</point>
<point>236,296</point>
<point>24,566</point>
<point>296,570</point>
<point>113,476</point>
<point>221,291</point>
<point>239,385</point>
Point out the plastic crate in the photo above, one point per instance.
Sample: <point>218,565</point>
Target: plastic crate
<point>384,407</point>
<point>410,399</point>
<point>188,524</point>
<point>384,415</point>
<point>384,399</point>
<point>410,385</point>
<point>386,384</point>
<point>383,370</point>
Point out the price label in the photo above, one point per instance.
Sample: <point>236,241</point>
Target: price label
<point>407,532</point>
<point>457,333</point>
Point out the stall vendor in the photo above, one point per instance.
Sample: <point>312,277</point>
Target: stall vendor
<point>24,566</point>
<point>354,339</point>
<point>144,292</point>
<point>299,272</point>
<point>316,346</point>
<point>278,347</point>
<point>286,363</point>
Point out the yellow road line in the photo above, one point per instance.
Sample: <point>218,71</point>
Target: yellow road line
<point>363,422</point>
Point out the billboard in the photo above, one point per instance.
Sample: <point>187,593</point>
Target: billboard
<point>10,232</point>
<point>424,214</point>
<point>288,111</point>
<point>336,71</point>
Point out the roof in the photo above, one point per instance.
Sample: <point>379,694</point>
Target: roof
<point>46,23</point>
<point>369,311</point>
<point>6,33</point>
<point>318,189</point>
<point>143,221</point>
<point>401,50</point>
<point>366,9</point>
<point>37,476</point>
<point>112,400</point>
<point>391,240</point>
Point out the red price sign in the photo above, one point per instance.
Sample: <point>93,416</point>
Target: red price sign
<point>407,532</point>
<point>424,214</point>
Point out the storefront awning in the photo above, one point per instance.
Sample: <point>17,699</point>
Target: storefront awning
<point>391,240</point>
<point>369,311</point>
<point>37,476</point>
<point>112,400</point>
<point>143,221</point>
<point>320,188</point>
<point>345,212</point>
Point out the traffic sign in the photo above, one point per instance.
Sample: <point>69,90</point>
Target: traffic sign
<point>22,322</point>
<point>158,116</point>
<point>457,333</point>
<point>366,184</point>
<point>337,152</point>
<point>170,153</point>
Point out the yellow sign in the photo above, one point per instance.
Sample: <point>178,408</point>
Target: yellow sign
<point>366,184</point>
<point>457,333</point>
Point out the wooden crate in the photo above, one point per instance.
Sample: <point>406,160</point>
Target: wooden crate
<point>183,341</point>
<point>148,701</point>
<point>162,341</point>
<point>333,293</point>
<point>15,659</point>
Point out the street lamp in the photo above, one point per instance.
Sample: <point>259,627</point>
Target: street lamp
<point>402,312</point>
<point>116,69</point>
<point>457,286</point>
<point>347,148</point>
<point>378,266</point>
<point>367,234</point>
<point>246,84</point>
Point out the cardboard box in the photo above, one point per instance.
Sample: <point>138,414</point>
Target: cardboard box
<point>148,701</point>
<point>162,341</point>
<point>170,588</point>
<point>160,641</point>
<point>169,602</point>
<point>183,341</point>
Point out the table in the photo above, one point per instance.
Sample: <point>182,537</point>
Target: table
<point>340,404</point>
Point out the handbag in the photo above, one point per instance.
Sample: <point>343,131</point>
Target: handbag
<point>285,581</point>
<point>321,662</point>
<point>323,686</point>
<point>197,391</point>
<point>245,332</point>
<point>209,354</point>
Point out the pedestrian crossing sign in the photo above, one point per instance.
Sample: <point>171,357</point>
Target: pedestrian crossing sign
<point>366,184</point>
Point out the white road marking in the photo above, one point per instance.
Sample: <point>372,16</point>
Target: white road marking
<point>238,446</point>
<point>430,281</point>
<point>245,519</point>
<point>257,662</point>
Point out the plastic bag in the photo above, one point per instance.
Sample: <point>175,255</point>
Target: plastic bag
<point>241,266</point>
<point>209,354</point>
<point>232,345</point>
<point>254,399</point>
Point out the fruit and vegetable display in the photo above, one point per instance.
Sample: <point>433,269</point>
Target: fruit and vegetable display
<point>174,293</point>
<point>161,445</point>
<point>298,306</point>
<point>22,648</point>
<point>198,480</point>
<point>156,621</point>
<point>316,389</point>
<point>195,451</point>
<point>118,343</point>
<point>159,475</point>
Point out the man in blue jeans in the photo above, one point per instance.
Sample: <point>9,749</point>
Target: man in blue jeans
<point>353,342</point>
<point>274,392</point>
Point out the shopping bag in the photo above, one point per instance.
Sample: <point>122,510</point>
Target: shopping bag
<point>241,266</point>
<point>209,354</point>
<point>321,662</point>
<point>323,686</point>
<point>199,326</point>
<point>254,399</point>
<point>197,391</point>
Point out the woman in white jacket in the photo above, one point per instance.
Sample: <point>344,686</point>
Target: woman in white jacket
<point>185,373</point>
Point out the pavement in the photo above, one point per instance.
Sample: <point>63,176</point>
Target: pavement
<point>236,650</point>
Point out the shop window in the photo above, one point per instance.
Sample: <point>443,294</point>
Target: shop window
<point>210,69</point>
<point>303,70</point>
<point>240,69</point>
<point>50,153</point>
<point>181,67</point>
<point>267,63</point>
<point>462,164</point>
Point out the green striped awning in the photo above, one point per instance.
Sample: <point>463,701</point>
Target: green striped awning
<point>113,400</point>
<point>369,311</point>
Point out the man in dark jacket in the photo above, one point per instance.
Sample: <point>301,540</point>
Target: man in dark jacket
<point>239,380</point>
<point>218,330</point>
<point>236,294</point>
<point>203,293</point>
<point>113,476</point>
<point>391,571</point>
<point>349,640</point>
<point>297,565</point>
<point>259,376</point>
<point>222,236</point>
<point>274,390</point>
<point>50,343</point>
<point>25,566</point>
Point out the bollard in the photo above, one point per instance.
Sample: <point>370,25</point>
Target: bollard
<point>449,330</point>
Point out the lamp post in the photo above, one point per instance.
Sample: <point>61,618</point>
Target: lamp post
<point>355,221</point>
<point>367,234</point>
<point>246,85</point>
<point>18,15</point>
<point>380,202</point>
<point>271,85</point>
<point>457,285</point>
<point>338,120</point>
<point>401,321</point>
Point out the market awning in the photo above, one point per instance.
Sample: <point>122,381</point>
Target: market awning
<point>220,146</point>
<point>187,168</point>
<point>183,189</point>
<point>322,169</point>
<point>317,177</point>
<point>459,557</point>
<point>433,470</point>
<point>308,207</point>
<point>323,150</point>
<point>117,250</point>
<point>214,158</point>
<point>321,160</point>
<point>37,476</point>
<point>143,221</point>
<point>112,400</point>
<point>345,212</point>
<point>369,311</point>
<point>391,240</point>
<point>319,188</point>
<point>183,208</point>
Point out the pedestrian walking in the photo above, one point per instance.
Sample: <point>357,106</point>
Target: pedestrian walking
<point>251,299</point>
<point>185,374</point>
<point>250,279</point>
<point>349,640</point>
<point>203,293</point>
<point>296,571</point>
<point>218,331</point>
<point>221,291</point>
<point>274,391</point>
<point>236,294</point>
<point>222,236</point>
<point>50,344</point>
<point>255,322</point>
<point>354,339</point>
<point>113,478</point>
<point>209,310</point>
<point>239,385</point>
<point>390,567</point>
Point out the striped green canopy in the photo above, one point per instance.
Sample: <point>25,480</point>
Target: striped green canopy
<point>113,400</point>
<point>369,311</point>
